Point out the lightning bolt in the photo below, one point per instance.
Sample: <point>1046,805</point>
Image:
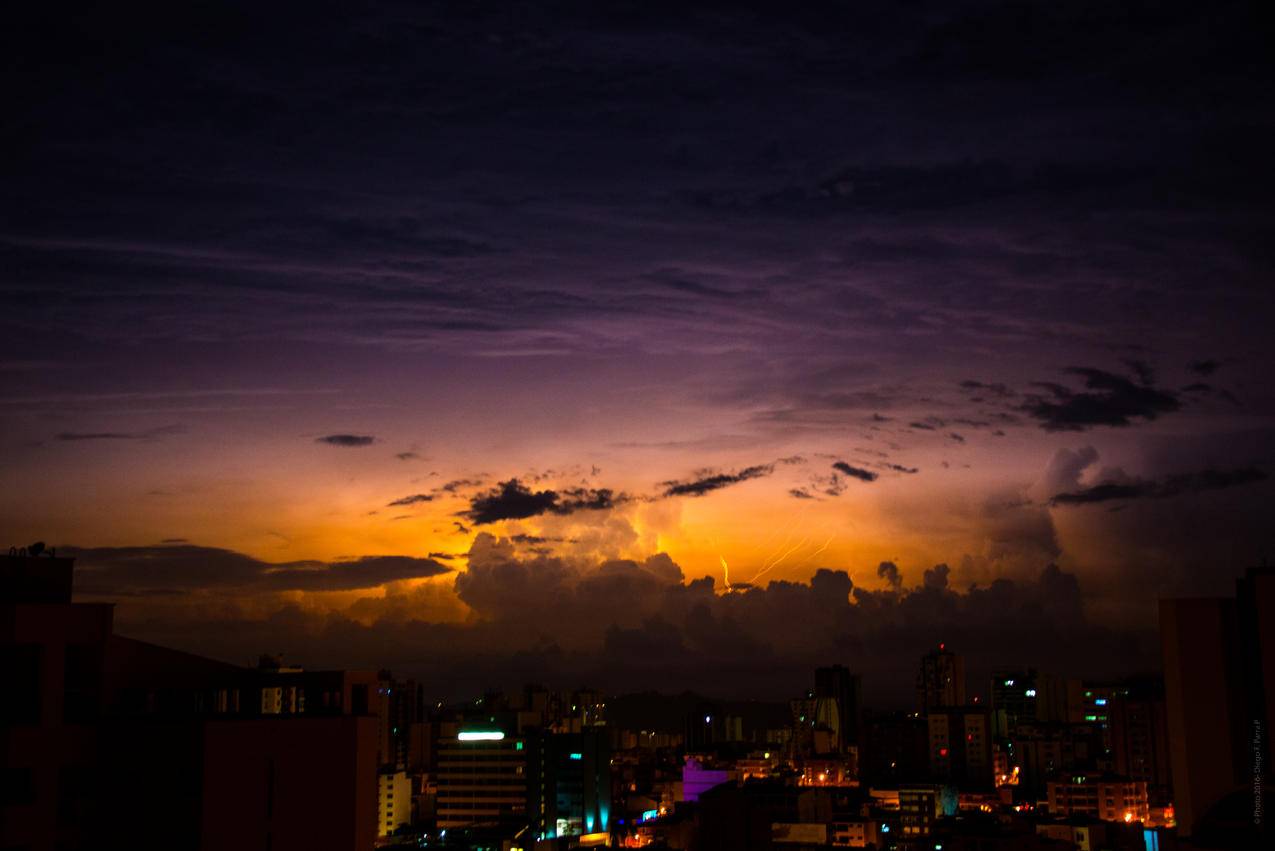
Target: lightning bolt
<point>771,565</point>
<point>811,557</point>
<point>725,572</point>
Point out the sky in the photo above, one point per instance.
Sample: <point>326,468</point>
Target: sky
<point>648,344</point>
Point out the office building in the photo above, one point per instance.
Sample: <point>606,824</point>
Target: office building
<point>482,778</point>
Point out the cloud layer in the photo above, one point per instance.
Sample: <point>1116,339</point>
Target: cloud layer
<point>634,624</point>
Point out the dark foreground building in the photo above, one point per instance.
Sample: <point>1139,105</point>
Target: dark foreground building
<point>113,743</point>
<point>1219,677</point>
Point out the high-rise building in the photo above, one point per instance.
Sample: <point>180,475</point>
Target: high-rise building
<point>895,749</point>
<point>1201,647</point>
<point>399,705</point>
<point>393,801</point>
<point>941,680</point>
<point>961,746</point>
<point>482,778</point>
<point>53,653</point>
<point>837,683</point>
<point>1026,695</point>
<point>816,726</point>
<point>569,783</point>
<point>1140,738</point>
<point>1219,656</point>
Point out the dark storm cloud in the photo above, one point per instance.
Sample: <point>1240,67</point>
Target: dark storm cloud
<point>414,499</point>
<point>512,500</point>
<point>346,440</point>
<point>610,616</point>
<point>379,218</point>
<point>105,571</point>
<point>371,258</point>
<point>1171,486</point>
<point>148,434</point>
<point>716,481</point>
<point>1109,400</point>
<point>801,493</point>
<point>899,468</point>
<point>855,472</point>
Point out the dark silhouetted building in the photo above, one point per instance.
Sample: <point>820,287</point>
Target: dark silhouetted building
<point>297,783</point>
<point>961,746</point>
<point>1218,658</point>
<point>838,683</point>
<point>118,744</point>
<point>941,680</point>
<point>895,749</point>
<point>1140,738</point>
<point>569,783</point>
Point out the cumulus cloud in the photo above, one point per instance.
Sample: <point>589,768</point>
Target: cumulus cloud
<point>517,614</point>
<point>346,440</point>
<point>1066,468</point>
